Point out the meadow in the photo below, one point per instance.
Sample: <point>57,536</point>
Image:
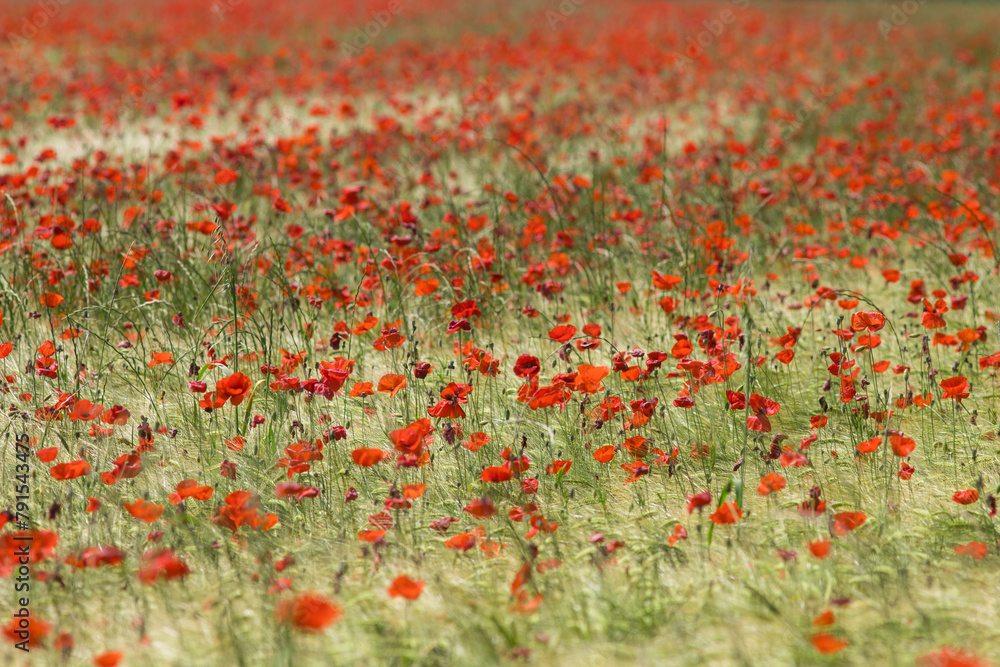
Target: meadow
<point>422,332</point>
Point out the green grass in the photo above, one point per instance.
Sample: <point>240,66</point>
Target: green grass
<point>741,594</point>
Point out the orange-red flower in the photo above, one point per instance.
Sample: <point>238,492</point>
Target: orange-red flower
<point>698,500</point>
<point>977,550</point>
<point>604,454</point>
<point>233,388</point>
<point>951,657</point>
<point>144,511</point>
<point>726,513</point>
<point>966,497</point>
<point>870,321</point>
<point>96,557</point>
<point>461,542</point>
<point>845,522</point>
<point>770,483</point>
<point>901,445</point>
<point>403,586</point>
<point>562,333</point>
<point>956,387</point>
<point>71,470</point>
<point>828,644</point>
<point>496,474</point>
<point>366,457</point>
<point>820,548</point>
<point>51,299</point>
<point>189,488</point>
<point>161,564</point>
<point>391,384</point>
<point>310,612</point>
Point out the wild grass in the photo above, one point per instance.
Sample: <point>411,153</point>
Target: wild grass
<point>613,589</point>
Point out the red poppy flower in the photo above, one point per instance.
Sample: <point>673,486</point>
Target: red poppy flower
<point>413,490</point>
<point>785,356</point>
<point>161,564</point>
<point>461,542</point>
<point>47,455</point>
<point>424,287</point>
<point>956,387</point>
<point>828,644</point>
<point>977,550</point>
<point>482,508</point>
<point>845,522</point>
<point>35,632</point>
<point>391,383</point>
<point>51,299</point>
<point>371,536</point>
<point>737,401</point>
<point>557,467</point>
<point>760,409</point>
<point>310,612</point>
<point>869,446</point>
<point>562,333</point>
<point>496,474</point>
<point>465,309</point>
<point>362,389</point>
<point>665,282</point>
<point>476,441</point>
<point>96,557</point>
<point>950,657</point>
<point>161,358</point>
<point>116,414</point>
<point>71,470</point>
<point>966,497</point>
<point>870,321</point>
<point>189,488</point>
<point>604,454</point>
<point>366,457</point>
<point>698,500</point>
<point>84,410</point>
<point>770,483</point>
<point>726,513</point>
<point>144,511</point>
<point>820,548</point>
<point>233,388</point>
<point>901,445</point>
<point>932,314</point>
<point>403,586</point>
<point>108,658</point>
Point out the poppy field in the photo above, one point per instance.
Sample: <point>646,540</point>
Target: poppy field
<point>428,332</point>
